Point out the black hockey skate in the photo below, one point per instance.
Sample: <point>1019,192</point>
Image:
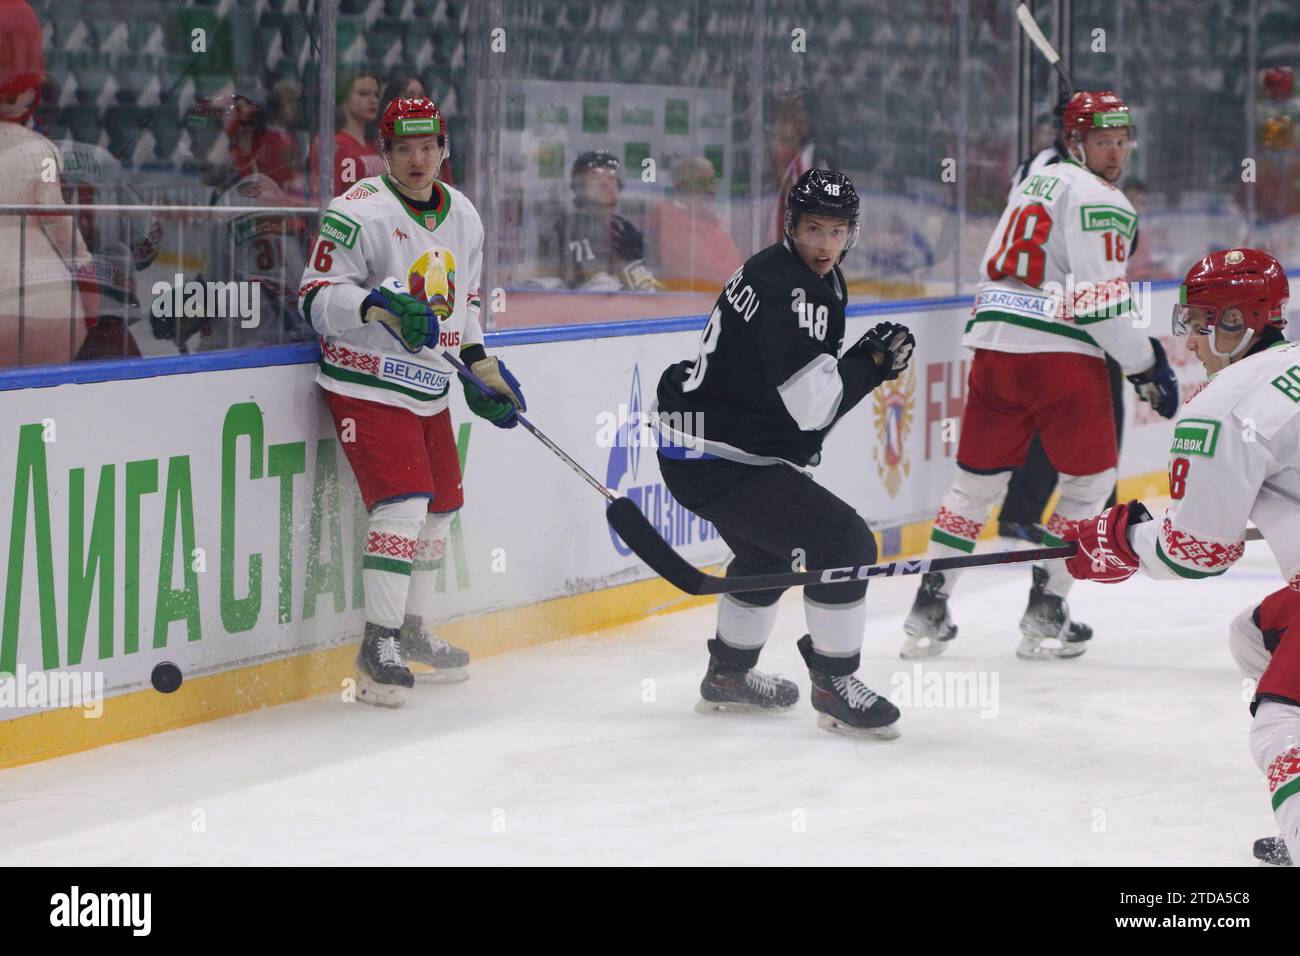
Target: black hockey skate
<point>381,675</point>
<point>1272,851</point>
<point>1047,618</point>
<point>1018,531</point>
<point>847,706</point>
<point>745,691</point>
<point>929,626</point>
<point>448,664</point>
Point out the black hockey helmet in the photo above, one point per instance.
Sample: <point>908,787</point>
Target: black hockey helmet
<point>596,159</point>
<point>823,192</point>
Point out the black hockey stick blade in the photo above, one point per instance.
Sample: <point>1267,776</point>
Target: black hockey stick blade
<point>639,534</point>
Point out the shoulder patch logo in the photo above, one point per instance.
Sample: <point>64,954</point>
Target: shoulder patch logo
<point>1195,436</point>
<point>362,191</point>
<point>1098,218</point>
<point>341,228</point>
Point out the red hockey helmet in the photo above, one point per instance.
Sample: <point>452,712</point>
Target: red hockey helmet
<point>412,116</point>
<point>1095,110</point>
<point>1279,82</point>
<point>22,62</point>
<point>240,118</point>
<point>1233,289</point>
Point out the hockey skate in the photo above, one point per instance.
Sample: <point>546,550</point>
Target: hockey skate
<point>1272,851</point>
<point>1047,618</point>
<point>847,706</point>
<point>745,691</point>
<point>928,627</point>
<point>1017,531</point>
<point>381,675</point>
<point>446,663</point>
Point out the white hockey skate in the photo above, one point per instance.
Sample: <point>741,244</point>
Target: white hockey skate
<point>1046,631</point>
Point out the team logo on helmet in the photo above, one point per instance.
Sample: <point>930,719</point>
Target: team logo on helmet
<point>1233,257</point>
<point>894,412</point>
<point>433,276</point>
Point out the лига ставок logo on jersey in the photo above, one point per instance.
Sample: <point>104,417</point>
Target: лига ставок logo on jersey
<point>630,471</point>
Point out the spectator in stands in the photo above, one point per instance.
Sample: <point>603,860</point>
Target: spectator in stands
<point>47,288</point>
<point>356,154</point>
<point>402,86</point>
<point>796,148</point>
<point>408,85</point>
<point>280,153</point>
<point>593,247</point>
<point>691,246</point>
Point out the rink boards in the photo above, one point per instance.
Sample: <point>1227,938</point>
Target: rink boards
<point>211,519</point>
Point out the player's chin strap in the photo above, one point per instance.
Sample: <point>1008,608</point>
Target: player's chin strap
<point>1240,349</point>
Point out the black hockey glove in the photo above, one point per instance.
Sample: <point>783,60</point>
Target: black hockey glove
<point>1157,386</point>
<point>892,342</point>
<point>628,243</point>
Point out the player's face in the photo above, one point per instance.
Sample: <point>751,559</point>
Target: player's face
<point>598,187</point>
<point>1226,335</point>
<point>1106,151</point>
<point>363,99</point>
<point>820,240</point>
<point>415,161</point>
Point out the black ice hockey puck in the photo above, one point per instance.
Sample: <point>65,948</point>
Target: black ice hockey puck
<point>166,677</point>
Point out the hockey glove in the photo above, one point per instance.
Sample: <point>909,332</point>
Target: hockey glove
<point>891,345</point>
<point>506,398</point>
<point>1104,553</point>
<point>1157,386</point>
<point>628,243</point>
<point>410,320</point>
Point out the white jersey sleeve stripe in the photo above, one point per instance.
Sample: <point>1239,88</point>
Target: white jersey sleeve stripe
<point>812,395</point>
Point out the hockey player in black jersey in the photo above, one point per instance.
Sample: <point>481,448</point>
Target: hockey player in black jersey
<point>594,247</point>
<point>738,425</point>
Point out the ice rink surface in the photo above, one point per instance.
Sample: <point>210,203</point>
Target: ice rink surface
<point>588,751</point>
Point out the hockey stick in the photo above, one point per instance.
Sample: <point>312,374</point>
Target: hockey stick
<point>642,538</point>
<point>1030,26</point>
<point>612,496</point>
<point>640,535</point>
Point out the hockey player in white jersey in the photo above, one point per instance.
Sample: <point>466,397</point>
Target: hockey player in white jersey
<point>1053,302</point>
<point>122,244</point>
<point>392,281</point>
<point>1235,458</point>
<point>264,250</point>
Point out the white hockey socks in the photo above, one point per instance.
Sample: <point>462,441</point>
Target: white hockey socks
<point>836,629</point>
<point>430,551</point>
<point>744,626</point>
<point>962,515</point>
<point>387,556</point>
<point>1275,745</point>
<point>1081,497</point>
